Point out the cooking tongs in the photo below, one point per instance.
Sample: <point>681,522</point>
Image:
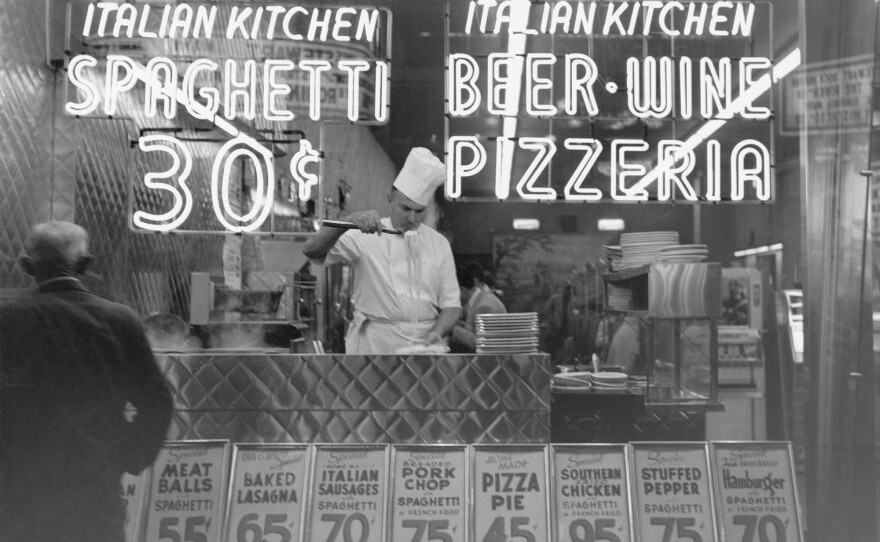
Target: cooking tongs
<point>351,226</point>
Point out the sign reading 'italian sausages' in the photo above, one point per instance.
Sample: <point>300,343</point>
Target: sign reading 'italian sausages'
<point>133,490</point>
<point>186,492</point>
<point>672,490</point>
<point>267,492</point>
<point>430,492</point>
<point>510,493</point>
<point>591,493</point>
<point>754,483</point>
<point>349,485</point>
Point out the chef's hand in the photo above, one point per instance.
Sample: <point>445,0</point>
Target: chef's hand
<point>366,221</point>
<point>433,337</point>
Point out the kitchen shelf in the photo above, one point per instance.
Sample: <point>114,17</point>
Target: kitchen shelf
<point>676,308</point>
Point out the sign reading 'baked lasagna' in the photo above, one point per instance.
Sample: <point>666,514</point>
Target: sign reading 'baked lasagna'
<point>267,494</point>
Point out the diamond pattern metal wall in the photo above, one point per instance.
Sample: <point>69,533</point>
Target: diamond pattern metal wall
<point>621,418</point>
<point>26,105</point>
<point>149,272</point>
<point>332,398</point>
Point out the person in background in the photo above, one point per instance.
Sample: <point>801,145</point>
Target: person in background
<point>477,298</point>
<point>71,365</point>
<point>619,341</point>
<point>556,312</point>
<point>404,292</point>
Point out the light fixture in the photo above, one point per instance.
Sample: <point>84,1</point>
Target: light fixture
<point>611,224</point>
<point>758,250</point>
<point>526,224</point>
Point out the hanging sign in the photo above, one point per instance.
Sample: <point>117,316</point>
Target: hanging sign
<point>187,491</point>
<point>672,492</point>
<point>430,493</point>
<point>267,492</point>
<point>591,493</point>
<point>349,488</point>
<point>754,483</point>
<point>829,97</point>
<point>510,495</point>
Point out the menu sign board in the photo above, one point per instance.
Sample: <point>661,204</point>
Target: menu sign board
<point>510,499</point>
<point>591,493</point>
<point>187,488</point>
<point>349,484</point>
<point>754,482</point>
<point>829,97</point>
<point>267,492</point>
<point>672,490</point>
<point>133,490</point>
<point>430,492</point>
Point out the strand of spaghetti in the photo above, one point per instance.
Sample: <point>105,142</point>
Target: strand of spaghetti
<point>413,271</point>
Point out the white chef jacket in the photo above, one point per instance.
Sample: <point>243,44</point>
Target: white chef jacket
<point>383,303</point>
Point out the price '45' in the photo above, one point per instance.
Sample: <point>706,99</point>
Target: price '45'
<point>519,530</point>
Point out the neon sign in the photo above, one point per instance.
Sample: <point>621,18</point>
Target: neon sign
<point>323,63</point>
<point>583,97</point>
<point>238,96</point>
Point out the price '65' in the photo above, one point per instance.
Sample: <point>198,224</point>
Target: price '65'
<point>273,528</point>
<point>174,181</point>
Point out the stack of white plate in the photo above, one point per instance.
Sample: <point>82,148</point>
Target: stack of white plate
<point>643,248</point>
<point>683,253</point>
<point>512,333</point>
<point>619,297</point>
<point>613,255</point>
<point>608,382</point>
<point>571,382</point>
<point>637,383</point>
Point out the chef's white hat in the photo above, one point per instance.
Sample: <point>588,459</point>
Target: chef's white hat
<point>421,175</point>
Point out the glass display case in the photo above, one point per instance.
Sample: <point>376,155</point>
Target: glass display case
<point>673,309</point>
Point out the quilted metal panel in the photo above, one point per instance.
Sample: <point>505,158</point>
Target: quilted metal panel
<point>26,105</point>
<point>621,418</point>
<point>333,398</point>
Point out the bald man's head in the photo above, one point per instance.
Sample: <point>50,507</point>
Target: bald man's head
<point>56,249</point>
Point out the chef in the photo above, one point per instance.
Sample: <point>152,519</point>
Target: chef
<point>405,292</point>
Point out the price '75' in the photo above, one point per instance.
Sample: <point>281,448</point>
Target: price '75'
<point>436,529</point>
<point>681,526</point>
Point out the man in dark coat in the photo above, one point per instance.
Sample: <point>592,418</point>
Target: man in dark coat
<point>71,364</point>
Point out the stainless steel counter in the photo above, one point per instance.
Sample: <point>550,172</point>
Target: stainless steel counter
<point>361,399</point>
